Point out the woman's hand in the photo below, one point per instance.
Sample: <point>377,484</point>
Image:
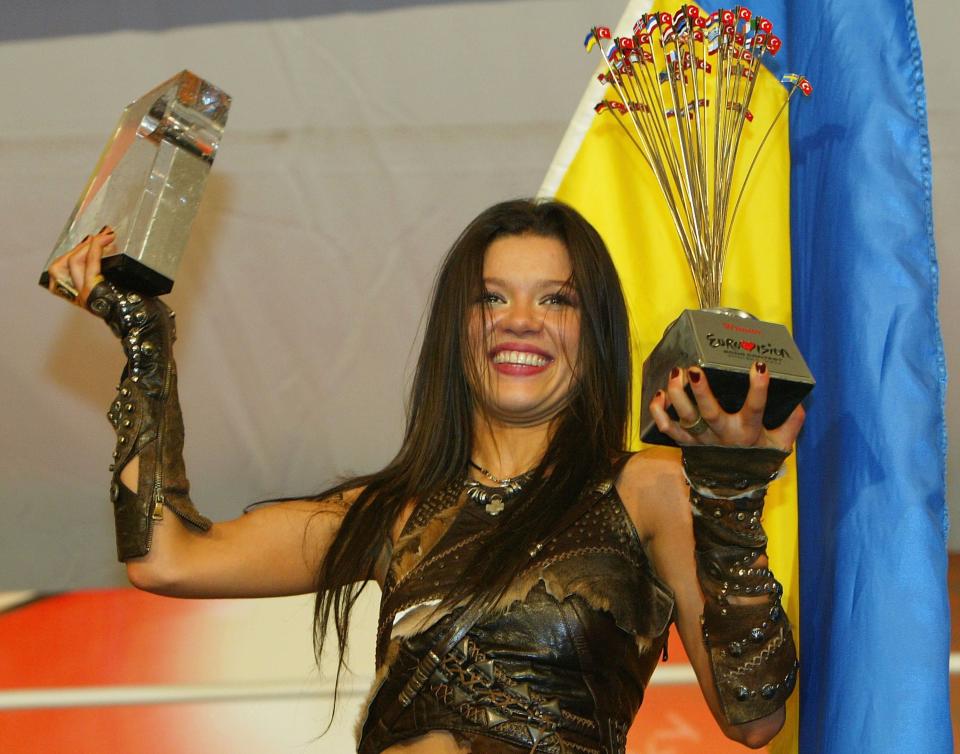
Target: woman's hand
<point>704,422</point>
<point>77,272</point>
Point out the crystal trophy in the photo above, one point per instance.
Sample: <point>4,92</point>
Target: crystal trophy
<point>682,84</point>
<point>148,182</point>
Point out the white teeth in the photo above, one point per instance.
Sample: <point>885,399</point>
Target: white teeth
<point>523,358</point>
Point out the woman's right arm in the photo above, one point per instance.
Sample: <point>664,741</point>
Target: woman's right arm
<point>167,545</point>
<point>272,551</point>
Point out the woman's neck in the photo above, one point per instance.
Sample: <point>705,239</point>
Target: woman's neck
<point>507,451</point>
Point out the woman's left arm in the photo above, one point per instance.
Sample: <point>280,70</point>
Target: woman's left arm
<point>711,551</point>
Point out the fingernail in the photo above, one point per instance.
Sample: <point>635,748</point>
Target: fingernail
<point>674,373</point>
<point>761,368</point>
<point>85,239</point>
<point>694,376</point>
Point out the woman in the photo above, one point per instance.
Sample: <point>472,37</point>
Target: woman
<point>530,567</point>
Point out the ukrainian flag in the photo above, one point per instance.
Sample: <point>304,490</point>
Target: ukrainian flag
<point>852,164</point>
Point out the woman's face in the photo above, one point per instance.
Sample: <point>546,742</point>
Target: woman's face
<point>525,330</point>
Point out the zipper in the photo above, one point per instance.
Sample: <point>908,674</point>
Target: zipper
<point>158,500</point>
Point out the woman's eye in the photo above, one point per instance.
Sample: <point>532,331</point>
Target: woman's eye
<point>558,299</point>
<point>488,297</point>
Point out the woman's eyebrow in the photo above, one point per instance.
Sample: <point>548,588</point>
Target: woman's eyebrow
<point>540,283</point>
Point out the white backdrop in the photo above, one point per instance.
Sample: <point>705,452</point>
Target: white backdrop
<point>359,144</point>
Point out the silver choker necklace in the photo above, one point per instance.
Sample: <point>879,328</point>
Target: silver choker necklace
<point>493,499</point>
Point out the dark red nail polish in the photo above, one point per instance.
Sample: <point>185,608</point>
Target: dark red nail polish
<point>85,239</point>
<point>694,376</point>
<point>674,373</point>
<point>102,229</point>
<point>761,368</point>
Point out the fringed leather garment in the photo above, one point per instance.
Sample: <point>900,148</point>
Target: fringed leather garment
<point>560,666</point>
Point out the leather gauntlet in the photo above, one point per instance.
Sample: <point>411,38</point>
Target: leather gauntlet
<point>746,631</point>
<point>146,416</point>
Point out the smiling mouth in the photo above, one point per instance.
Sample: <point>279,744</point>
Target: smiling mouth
<point>521,358</point>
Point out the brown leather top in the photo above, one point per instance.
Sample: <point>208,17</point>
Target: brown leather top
<point>561,663</point>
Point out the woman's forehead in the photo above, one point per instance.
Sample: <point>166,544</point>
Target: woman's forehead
<point>527,257</point>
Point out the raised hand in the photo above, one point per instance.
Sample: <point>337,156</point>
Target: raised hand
<point>704,422</point>
<point>76,273</point>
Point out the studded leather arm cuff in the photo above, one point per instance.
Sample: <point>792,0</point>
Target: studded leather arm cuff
<point>747,633</point>
<point>146,416</point>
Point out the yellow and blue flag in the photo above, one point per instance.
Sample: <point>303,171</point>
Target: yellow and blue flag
<point>872,459</point>
<point>834,239</point>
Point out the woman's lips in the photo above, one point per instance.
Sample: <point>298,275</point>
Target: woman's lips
<point>519,361</point>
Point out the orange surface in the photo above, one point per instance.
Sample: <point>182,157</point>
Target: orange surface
<point>102,637</point>
<point>126,637</point>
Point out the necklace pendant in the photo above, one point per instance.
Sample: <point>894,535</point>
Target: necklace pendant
<point>495,506</point>
<point>494,499</point>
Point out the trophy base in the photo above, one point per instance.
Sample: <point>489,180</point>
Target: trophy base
<point>129,274</point>
<point>725,346</point>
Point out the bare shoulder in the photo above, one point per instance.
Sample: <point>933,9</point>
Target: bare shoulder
<point>653,490</point>
<point>336,502</point>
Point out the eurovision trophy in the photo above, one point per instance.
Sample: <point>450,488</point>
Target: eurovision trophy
<point>683,84</point>
<point>148,182</point>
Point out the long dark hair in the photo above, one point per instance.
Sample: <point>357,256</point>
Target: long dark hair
<point>586,437</point>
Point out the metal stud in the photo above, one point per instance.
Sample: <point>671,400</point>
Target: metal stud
<point>485,669</point>
<point>522,690</point>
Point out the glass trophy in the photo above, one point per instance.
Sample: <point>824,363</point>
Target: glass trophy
<point>148,182</point>
<point>680,86</point>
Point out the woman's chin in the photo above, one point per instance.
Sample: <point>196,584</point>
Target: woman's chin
<point>522,413</point>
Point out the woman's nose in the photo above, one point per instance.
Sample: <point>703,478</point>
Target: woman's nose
<point>519,318</point>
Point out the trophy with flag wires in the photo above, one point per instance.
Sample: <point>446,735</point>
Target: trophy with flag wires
<point>680,87</point>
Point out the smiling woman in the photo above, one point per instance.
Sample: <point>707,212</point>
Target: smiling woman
<point>530,566</point>
<point>525,330</point>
